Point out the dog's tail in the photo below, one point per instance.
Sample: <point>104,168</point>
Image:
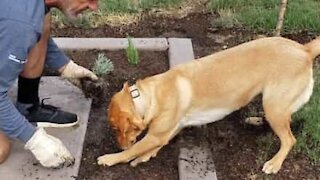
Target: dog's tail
<point>313,47</point>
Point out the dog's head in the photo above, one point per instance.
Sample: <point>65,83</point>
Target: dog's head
<point>124,118</point>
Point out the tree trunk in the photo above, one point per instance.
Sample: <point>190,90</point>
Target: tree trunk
<point>282,10</point>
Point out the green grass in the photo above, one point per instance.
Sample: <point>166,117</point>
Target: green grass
<point>308,118</point>
<point>258,15</point>
<point>112,7</point>
<point>262,15</point>
<point>133,6</point>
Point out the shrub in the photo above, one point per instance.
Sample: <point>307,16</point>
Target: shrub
<point>102,65</point>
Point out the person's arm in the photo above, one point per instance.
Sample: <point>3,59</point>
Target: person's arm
<point>12,123</point>
<point>16,40</point>
<point>56,59</point>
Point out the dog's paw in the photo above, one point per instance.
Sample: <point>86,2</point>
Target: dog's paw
<point>271,167</point>
<point>107,160</point>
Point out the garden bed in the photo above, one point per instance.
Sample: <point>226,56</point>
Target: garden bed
<point>100,138</point>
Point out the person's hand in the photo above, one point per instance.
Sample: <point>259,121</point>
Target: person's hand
<point>48,150</point>
<point>73,72</point>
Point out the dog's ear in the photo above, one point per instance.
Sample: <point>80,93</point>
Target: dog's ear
<point>126,91</point>
<point>113,113</point>
<point>120,122</point>
<point>125,86</point>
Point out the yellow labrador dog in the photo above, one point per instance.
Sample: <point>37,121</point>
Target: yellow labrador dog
<point>206,90</point>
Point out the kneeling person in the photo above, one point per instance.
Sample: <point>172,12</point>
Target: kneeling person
<point>25,36</point>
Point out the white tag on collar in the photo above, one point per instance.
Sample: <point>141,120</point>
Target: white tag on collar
<point>134,91</point>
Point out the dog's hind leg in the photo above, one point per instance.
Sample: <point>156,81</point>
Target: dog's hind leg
<point>280,124</point>
<point>278,104</point>
<point>280,100</point>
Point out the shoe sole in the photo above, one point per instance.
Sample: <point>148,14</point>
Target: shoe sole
<point>55,125</point>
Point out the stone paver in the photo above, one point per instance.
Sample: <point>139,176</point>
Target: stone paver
<point>180,51</point>
<point>150,44</point>
<point>194,162</point>
<point>21,164</point>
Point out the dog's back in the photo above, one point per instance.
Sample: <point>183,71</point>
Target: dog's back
<point>242,72</point>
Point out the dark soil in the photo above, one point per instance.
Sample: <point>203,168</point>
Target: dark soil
<point>234,146</point>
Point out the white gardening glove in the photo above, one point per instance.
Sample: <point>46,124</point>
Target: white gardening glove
<point>73,72</point>
<point>48,150</point>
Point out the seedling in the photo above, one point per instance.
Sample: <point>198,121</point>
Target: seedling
<point>132,53</point>
<point>102,65</point>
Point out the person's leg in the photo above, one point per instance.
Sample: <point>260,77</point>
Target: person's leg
<point>29,79</point>
<point>36,58</point>
<point>4,148</point>
<point>28,102</point>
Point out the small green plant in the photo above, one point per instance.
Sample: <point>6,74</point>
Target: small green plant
<point>132,53</point>
<point>102,65</point>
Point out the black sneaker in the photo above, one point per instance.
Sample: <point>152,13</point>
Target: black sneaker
<point>44,115</point>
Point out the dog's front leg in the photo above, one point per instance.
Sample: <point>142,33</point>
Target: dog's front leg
<point>145,157</point>
<point>148,143</point>
<point>153,153</point>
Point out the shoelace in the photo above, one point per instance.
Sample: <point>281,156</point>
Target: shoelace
<point>46,106</point>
